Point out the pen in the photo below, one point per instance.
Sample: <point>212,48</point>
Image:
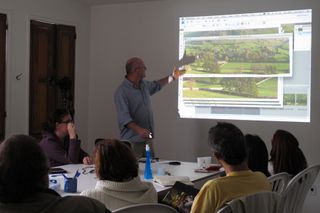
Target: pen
<point>158,184</point>
<point>77,174</point>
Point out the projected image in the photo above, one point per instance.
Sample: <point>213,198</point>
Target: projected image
<point>230,88</point>
<point>248,66</point>
<point>296,99</point>
<point>249,92</point>
<point>252,55</point>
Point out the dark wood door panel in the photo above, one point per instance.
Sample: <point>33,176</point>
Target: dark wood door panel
<point>52,59</point>
<point>3,29</point>
<point>65,59</point>
<point>41,69</point>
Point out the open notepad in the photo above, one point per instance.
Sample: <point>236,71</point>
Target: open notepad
<point>57,170</point>
<point>181,197</point>
<point>171,180</point>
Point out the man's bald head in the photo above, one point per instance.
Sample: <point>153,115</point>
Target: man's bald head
<point>133,63</point>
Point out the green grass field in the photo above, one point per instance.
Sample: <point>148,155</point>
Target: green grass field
<point>206,94</point>
<point>266,89</point>
<point>201,83</point>
<point>247,68</point>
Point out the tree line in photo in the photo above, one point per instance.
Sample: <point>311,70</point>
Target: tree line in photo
<point>241,56</point>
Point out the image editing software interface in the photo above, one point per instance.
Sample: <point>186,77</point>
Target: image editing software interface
<point>254,66</point>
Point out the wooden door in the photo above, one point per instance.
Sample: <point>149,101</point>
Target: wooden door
<point>3,29</point>
<point>52,58</point>
<point>65,60</point>
<point>42,92</point>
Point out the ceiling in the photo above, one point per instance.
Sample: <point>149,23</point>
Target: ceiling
<point>99,2</point>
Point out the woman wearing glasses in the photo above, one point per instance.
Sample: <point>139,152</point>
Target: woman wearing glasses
<point>60,142</point>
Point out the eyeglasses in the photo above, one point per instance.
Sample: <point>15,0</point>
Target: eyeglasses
<point>66,122</point>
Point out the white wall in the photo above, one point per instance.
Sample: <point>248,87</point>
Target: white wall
<point>150,30</point>
<point>19,13</point>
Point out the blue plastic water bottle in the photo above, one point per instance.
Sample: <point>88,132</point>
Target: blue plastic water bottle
<point>147,169</point>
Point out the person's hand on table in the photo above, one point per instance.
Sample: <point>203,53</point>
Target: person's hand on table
<point>87,160</point>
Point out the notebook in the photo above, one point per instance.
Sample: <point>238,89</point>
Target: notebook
<point>166,180</point>
<point>57,171</point>
<point>180,197</point>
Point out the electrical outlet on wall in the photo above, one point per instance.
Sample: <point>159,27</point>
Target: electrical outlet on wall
<point>313,190</point>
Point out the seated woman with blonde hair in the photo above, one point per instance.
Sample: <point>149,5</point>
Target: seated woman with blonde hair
<point>119,183</point>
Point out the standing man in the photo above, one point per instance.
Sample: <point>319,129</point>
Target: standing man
<point>133,104</point>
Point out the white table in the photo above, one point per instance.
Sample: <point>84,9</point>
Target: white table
<point>88,181</point>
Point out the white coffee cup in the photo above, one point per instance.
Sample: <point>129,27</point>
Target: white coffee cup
<point>203,162</point>
<point>161,171</point>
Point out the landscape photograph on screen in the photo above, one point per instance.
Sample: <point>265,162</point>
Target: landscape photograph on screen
<point>261,55</point>
<point>253,66</point>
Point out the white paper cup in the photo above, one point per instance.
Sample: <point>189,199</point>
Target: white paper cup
<point>161,171</point>
<point>203,162</point>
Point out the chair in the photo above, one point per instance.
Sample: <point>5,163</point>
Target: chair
<point>279,181</point>
<point>225,209</point>
<point>147,208</point>
<point>262,202</point>
<point>296,191</point>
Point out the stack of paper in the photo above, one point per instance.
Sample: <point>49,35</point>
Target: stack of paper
<point>170,180</point>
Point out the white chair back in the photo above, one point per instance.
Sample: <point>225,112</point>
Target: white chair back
<point>279,181</point>
<point>146,208</point>
<point>296,191</point>
<point>225,209</point>
<point>262,202</point>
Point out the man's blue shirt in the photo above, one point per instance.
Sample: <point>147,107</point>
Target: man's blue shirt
<point>134,104</point>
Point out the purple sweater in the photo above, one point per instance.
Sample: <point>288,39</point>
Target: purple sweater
<point>61,152</point>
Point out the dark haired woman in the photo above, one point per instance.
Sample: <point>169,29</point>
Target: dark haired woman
<point>286,156</point>
<point>24,182</point>
<point>59,140</point>
<point>258,157</point>
<point>119,183</point>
